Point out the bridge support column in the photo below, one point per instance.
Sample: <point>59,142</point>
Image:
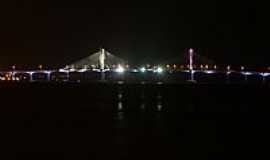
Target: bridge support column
<point>102,78</point>
<point>48,76</point>
<point>31,77</point>
<point>246,78</point>
<point>227,77</point>
<point>192,75</point>
<point>67,76</point>
<point>13,77</point>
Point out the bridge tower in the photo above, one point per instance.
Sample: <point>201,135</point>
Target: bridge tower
<point>102,58</point>
<point>191,54</point>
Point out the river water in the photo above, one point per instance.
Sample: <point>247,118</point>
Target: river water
<point>109,121</point>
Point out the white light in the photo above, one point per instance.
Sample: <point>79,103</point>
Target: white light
<point>47,72</point>
<point>159,70</point>
<point>266,74</point>
<point>143,69</point>
<point>82,70</point>
<point>210,72</point>
<point>120,69</point>
<point>247,73</point>
<point>63,70</point>
<point>72,70</point>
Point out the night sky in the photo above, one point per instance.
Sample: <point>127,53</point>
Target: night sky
<point>55,33</point>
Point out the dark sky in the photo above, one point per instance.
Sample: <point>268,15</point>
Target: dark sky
<point>56,33</point>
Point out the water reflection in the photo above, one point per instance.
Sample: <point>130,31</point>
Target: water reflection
<point>142,100</point>
<point>139,101</point>
<point>143,105</point>
<point>120,116</point>
<point>120,96</point>
<point>159,101</point>
<point>120,100</point>
<point>159,106</point>
<point>120,106</point>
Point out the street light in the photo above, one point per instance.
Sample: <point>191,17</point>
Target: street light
<point>201,66</point>
<point>40,66</point>
<point>228,68</point>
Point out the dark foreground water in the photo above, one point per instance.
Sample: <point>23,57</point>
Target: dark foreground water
<point>108,121</point>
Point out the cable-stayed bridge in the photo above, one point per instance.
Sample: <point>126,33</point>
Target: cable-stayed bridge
<point>106,67</point>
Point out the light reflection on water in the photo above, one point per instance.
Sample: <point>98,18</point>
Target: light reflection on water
<point>151,120</point>
<point>143,101</point>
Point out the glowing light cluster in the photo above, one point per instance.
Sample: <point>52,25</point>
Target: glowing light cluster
<point>159,70</point>
<point>120,69</point>
<point>143,69</point>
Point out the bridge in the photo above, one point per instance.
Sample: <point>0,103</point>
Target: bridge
<point>104,66</point>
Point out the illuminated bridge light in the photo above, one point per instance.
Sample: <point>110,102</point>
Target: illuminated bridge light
<point>210,72</point>
<point>82,70</point>
<point>72,70</point>
<point>40,66</point>
<point>247,73</point>
<point>63,70</point>
<point>120,69</point>
<point>201,66</point>
<point>182,67</point>
<point>143,69</point>
<point>228,68</point>
<point>265,74</point>
<point>242,68</point>
<point>159,70</point>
